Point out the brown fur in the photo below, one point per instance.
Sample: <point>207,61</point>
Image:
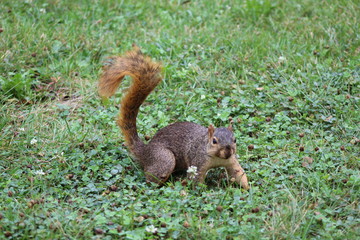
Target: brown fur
<point>177,146</point>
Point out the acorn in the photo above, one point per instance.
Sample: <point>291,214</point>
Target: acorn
<point>98,231</point>
<point>31,203</point>
<point>255,210</point>
<point>186,224</point>
<point>70,176</point>
<point>251,147</point>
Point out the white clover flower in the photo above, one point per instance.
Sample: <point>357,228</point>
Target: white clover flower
<point>42,10</point>
<point>33,141</point>
<point>282,59</point>
<point>39,172</point>
<point>151,229</point>
<point>192,172</point>
<point>183,193</point>
<point>22,129</point>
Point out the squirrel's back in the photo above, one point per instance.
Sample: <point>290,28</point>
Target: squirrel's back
<point>184,139</point>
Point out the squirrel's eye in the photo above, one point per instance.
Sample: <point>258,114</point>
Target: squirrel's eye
<point>214,141</point>
<point>234,140</point>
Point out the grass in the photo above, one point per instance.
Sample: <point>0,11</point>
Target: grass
<point>286,72</point>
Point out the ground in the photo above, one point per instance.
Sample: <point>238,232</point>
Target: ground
<point>286,72</point>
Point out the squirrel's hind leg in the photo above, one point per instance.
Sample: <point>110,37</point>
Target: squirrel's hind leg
<point>161,165</point>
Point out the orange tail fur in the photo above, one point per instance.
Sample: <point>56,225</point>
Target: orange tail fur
<point>145,76</point>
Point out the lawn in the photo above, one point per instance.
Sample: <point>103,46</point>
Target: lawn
<point>286,72</point>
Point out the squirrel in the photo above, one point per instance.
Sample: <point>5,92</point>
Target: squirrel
<point>178,146</point>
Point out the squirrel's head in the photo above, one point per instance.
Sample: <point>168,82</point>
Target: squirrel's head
<point>222,143</point>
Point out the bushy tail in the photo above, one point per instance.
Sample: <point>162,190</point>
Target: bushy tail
<point>145,75</point>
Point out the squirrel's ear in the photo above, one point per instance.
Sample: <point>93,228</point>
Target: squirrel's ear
<point>230,124</point>
<point>211,131</point>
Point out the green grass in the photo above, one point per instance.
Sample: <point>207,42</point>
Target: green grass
<point>286,72</point>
